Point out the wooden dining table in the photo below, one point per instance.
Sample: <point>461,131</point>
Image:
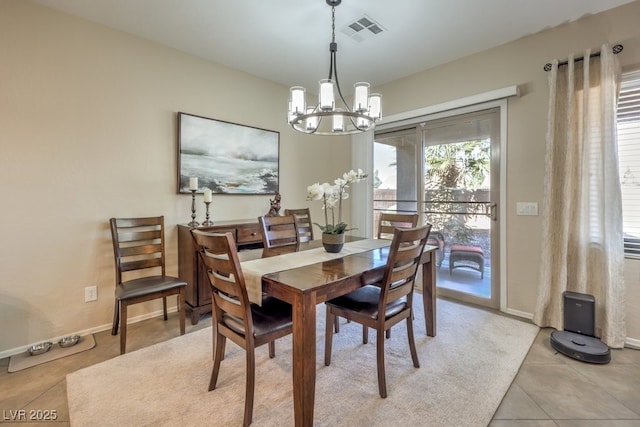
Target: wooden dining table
<point>306,286</point>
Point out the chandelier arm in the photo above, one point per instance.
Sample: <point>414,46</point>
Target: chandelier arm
<point>346,106</point>
<point>335,69</point>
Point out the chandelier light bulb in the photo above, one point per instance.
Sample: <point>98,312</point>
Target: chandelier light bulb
<point>327,98</point>
<point>361,98</point>
<point>297,102</point>
<point>375,106</point>
<point>362,123</point>
<point>311,123</point>
<point>338,123</point>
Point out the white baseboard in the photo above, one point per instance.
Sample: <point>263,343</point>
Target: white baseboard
<point>104,327</point>
<point>633,343</point>
<point>518,313</point>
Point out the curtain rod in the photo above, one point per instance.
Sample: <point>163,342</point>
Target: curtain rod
<point>616,49</point>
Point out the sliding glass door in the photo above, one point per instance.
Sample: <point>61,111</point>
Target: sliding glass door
<point>447,170</point>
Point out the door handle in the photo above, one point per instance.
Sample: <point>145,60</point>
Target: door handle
<point>493,211</point>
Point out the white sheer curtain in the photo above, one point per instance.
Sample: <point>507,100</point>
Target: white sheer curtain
<point>582,242</point>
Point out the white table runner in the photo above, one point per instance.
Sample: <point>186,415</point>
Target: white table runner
<point>254,269</point>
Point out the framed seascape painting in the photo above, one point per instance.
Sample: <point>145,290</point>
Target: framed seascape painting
<point>227,158</point>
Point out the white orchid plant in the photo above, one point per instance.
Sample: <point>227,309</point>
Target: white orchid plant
<point>332,196</point>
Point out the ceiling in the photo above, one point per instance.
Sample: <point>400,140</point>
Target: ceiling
<point>287,41</point>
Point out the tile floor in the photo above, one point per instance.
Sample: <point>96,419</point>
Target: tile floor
<point>549,390</point>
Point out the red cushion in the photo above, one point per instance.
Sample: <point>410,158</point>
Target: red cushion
<point>473,249</point>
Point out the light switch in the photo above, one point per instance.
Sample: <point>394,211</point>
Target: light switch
<point>527,208</point>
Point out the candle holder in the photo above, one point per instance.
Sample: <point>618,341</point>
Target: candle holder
<point>193,222</point>
<point>207,221</point>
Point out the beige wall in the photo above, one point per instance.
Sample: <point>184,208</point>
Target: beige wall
<point>89,132</point>
<point>521,63</point>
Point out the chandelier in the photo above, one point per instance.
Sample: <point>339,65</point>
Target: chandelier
<point>329,117</point>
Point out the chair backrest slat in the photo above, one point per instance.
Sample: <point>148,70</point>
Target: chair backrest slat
<point>125,235</point>
<point>141,264</point>
<point>145,249</point>
<point>124,223</point>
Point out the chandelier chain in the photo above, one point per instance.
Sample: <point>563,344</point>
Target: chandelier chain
<point>333,24</point>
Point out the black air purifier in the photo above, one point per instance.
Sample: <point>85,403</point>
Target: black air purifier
<point>578,339</point>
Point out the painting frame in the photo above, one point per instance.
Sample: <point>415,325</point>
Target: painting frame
<point>228,158</point>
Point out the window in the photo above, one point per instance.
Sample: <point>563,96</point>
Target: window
<point>628,126</point>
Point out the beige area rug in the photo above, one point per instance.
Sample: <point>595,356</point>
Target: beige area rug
<point>26,360</point>
<point>465,371</point>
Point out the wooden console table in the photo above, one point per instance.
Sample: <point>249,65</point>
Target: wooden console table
<point>247,235</point>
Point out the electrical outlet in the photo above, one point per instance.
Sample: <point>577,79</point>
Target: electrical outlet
<point>90,293</point>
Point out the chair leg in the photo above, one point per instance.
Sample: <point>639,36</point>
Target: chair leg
<point>218,353</point>
<point>336,326</point>
<point>272,349</point>
<point>164,307</point>
<point>123,327</point>
<point>412,342</point>
<point>181,311</point>
<point>365,334</point>
<point>388,333</point>
<point>116,318</point>
<point>224,342</point>
<point>382,379</point>
<point>224,346</point>
<point>251,379</point>
<point>328,336</point>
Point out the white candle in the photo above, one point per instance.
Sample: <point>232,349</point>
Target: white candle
<point>193,183</point>
<point>207,195</point>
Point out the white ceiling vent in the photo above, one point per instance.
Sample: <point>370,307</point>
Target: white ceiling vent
<point>363,28</point>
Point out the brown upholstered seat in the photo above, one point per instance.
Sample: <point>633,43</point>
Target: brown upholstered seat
<point>234,317</point>
<point>304,226</point>
<point>138,246</point>
<point>384,305</point>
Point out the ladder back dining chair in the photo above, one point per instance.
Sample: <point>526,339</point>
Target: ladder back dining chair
<point>386,226</point>
<point>279,235</point>
<point>304,226</point>
<point>390,221</point>
<point>139,248</point>
<point>387,303</point>
<point>234,317</point>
